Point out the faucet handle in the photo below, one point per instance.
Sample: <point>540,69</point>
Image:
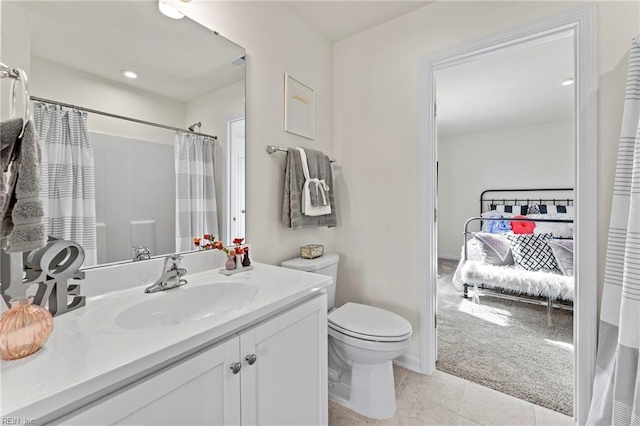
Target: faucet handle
<point>141,253</point>
<point>172,262</point>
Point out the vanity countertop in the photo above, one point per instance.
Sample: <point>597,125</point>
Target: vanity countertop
<point>89,354</point>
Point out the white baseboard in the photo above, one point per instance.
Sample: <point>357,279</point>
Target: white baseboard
<point>408,362</point>
<point>448,257</point>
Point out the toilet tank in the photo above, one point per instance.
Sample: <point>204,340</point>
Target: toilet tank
<point>324,265</point>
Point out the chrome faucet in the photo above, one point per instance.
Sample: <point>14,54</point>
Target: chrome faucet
<point>171,276</point>
<point>141,253</point>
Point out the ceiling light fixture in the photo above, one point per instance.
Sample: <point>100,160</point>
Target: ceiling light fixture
<point>568,82</point>
<point>169,11</point>
<point>130,74</point>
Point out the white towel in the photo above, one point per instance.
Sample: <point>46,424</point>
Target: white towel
<point>323,207</point>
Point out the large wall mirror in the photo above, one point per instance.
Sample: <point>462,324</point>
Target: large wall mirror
<point>141,120</point>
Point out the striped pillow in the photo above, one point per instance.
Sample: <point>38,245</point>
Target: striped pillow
<point>505,208</point>
<point>554,209</point>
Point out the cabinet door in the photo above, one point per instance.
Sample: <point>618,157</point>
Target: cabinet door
<point>287,383</point>
<point>201,390</point>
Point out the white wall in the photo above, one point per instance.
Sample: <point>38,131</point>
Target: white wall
<point>525,157</point>
<point>376,115</point>
<point>15,35</point>
<point>214,110</point>
<point>276,41</point>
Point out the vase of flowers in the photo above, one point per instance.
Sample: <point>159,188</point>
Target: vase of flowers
<point>235,253</point>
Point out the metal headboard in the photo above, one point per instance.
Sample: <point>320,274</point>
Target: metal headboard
<point>522,201</point>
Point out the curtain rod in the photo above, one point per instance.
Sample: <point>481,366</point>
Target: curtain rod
<point>121,117</point>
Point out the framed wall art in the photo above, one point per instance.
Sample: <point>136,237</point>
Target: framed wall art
<point>298,107</point>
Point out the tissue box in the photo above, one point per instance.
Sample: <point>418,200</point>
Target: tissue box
<point>311,251</point>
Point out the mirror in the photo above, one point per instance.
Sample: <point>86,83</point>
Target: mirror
<point>141,122</point>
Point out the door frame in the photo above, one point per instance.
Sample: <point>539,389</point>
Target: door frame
<point>226,220</point>
<point>582,23</point>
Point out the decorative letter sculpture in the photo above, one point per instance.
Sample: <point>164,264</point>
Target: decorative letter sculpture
<point>51,268</point>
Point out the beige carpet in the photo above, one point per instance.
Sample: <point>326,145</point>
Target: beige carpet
<point>506,345</point>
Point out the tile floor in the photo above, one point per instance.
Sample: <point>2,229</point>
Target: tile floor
<point>443,399</point>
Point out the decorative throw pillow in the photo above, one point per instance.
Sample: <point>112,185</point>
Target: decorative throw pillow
<point>522,227</point>
<point>504,208</point>
<point>496,248</point>
<point>498,226</point>
<point>532,252</point>
<point>557,229</point>
<point>563,252</point>
<point>487,225</point>
<point>554,209</point>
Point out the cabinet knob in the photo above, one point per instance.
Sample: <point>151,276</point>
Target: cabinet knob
<point>235,367</point>
<point>251,359</point>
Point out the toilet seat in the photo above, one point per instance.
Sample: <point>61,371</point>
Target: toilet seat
<point>373,345</point>
<point>369,323</point>
<point>367,337</point>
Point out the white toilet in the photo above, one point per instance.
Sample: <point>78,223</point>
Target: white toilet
<point>362,342</point>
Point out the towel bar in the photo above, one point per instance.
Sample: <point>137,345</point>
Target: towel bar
<point>272,148</point>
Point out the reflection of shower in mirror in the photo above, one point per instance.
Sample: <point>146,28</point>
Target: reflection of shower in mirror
<point>150,177</point>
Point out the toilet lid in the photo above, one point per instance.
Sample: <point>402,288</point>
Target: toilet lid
<point>369,321</point>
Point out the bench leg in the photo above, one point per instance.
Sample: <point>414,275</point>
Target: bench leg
<point>476,294</point>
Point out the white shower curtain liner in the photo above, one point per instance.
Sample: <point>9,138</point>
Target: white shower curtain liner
<point>616,390</point>
<point>196,209</point>
<point>68,177</point>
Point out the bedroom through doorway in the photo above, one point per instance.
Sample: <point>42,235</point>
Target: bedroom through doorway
<point>505,200</point>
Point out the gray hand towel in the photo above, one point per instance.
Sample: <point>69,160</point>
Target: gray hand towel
<point>9,132</point>
<point>22,222</point>
<point>292,216</point>
<point>317,164</point>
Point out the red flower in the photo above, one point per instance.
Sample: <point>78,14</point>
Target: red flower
<point>196,241</point>
<point>238,240</point>
<point>240,250</point>
<point>207,237</point>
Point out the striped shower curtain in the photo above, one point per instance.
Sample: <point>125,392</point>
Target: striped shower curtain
<point>616,390</point>
<point>68,176</point>
<point>196,210</point>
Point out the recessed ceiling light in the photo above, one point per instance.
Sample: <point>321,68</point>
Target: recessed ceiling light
<point>130,74</point>
<point>568,82</point>
<point>169,11</point>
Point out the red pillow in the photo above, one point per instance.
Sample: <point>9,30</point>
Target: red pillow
<point>522,227</point>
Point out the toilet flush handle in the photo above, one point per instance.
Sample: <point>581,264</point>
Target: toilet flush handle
<point>251,359</point>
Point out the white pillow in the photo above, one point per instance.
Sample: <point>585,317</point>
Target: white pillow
<point>557,229</point>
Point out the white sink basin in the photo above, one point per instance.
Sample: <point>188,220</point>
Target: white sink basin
<point>183,304</point>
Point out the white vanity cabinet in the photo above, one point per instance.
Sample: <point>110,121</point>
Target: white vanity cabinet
<point>280,378</point>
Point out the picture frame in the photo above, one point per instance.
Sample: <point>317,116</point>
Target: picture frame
<point>299,108</point>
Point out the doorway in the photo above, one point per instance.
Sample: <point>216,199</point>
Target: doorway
<point>505,137</point>
<point>236,210</point>
<point>581,23</point>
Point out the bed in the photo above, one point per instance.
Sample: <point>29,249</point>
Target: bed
<point>502,259</point>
